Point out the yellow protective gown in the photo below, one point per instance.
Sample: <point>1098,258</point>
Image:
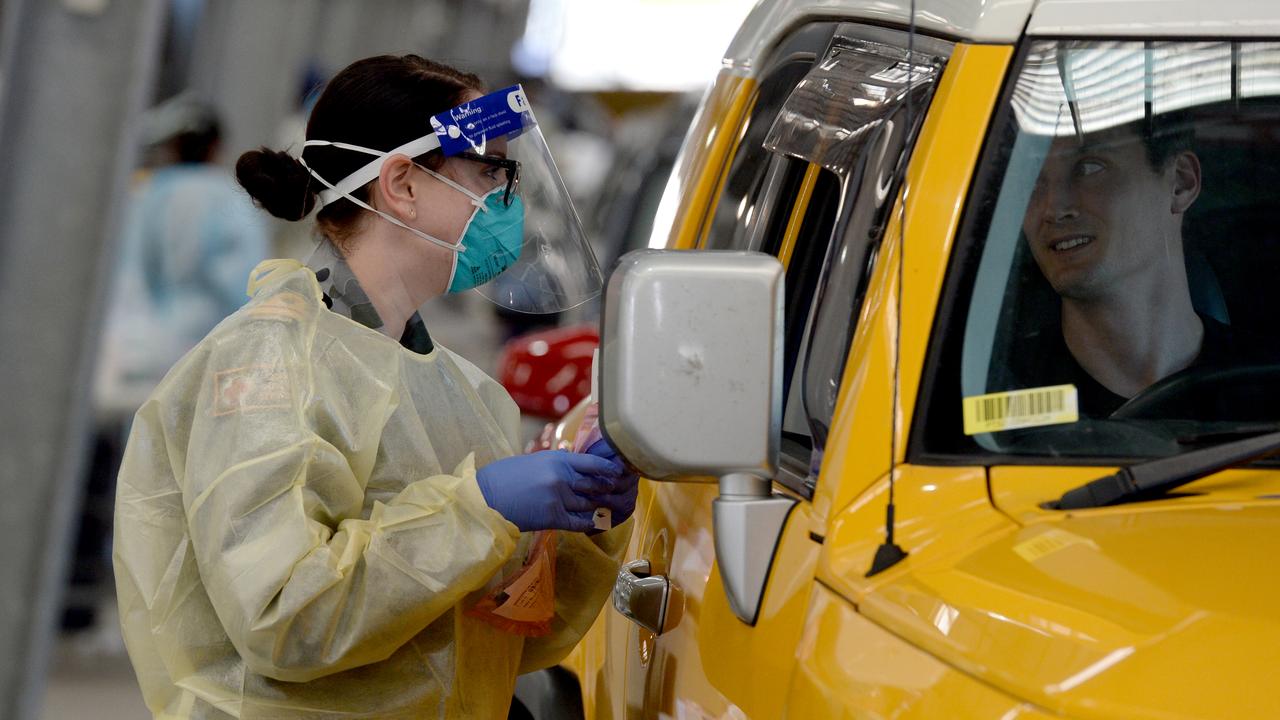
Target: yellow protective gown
<point>298,528</point>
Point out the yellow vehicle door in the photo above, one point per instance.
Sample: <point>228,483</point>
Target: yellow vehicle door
<point>817,164</point>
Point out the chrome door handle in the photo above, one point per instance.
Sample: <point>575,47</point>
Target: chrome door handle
<point>642,598</point>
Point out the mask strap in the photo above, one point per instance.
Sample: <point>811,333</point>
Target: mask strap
<point>475,199</point>
<point>394,221</point>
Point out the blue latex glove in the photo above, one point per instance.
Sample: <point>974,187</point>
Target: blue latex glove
<point>621,497</point>
<point>551,489</point>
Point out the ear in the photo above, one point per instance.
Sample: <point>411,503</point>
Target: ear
<point>1186,182</point>
<point>396,187</point>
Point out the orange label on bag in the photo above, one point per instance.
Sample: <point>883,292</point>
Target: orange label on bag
<point>531,596</point>
<point>525,604</point>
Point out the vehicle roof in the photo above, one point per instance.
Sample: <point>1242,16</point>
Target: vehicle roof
<point>1004,21</point>
<point>978,20</point>
<point>1169,18</point>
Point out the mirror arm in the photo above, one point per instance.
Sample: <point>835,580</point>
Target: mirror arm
<point>748,519</point>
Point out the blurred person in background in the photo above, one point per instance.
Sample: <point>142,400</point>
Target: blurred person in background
<point>320,511</point>
<point>190,236</point>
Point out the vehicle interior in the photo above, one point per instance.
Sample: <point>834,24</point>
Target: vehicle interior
<point>1232,255</point>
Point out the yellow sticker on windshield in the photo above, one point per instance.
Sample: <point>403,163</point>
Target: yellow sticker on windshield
<point>1035,407</point>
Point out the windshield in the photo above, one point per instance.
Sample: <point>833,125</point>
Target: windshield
<point>1120,293</point>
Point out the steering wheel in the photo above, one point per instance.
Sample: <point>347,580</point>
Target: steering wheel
<point>1211,392</point>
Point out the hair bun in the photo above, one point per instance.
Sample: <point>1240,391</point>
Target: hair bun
<point>278,182</point>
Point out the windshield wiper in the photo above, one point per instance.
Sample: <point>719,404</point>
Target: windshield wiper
<point>1156,477</point>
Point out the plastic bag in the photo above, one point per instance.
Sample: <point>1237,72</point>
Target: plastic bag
<point>588,434</point>
<point>525,603</point>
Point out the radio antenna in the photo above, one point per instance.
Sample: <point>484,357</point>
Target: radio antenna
<point>889,553</point>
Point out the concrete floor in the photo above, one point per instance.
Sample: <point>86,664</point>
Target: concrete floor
<point>92,679</point>
<point>97,693</point>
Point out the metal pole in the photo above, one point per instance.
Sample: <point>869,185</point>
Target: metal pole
<point>74,75</point>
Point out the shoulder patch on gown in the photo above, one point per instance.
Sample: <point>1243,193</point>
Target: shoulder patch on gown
<point>250,388</point>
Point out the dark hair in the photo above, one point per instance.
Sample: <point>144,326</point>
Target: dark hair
<point>380,103</point>
<point>1165,136</point>
<point>196,144</point>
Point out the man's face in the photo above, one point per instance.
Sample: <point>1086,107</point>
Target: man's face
<point>1099,214</point>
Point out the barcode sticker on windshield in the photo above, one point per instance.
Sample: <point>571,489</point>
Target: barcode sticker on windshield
<point>1020,409</point>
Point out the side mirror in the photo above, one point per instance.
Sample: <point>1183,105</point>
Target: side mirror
<point>691,363</point>
<point>691,390</point>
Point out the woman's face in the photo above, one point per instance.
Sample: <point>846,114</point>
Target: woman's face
<point>443,211</point>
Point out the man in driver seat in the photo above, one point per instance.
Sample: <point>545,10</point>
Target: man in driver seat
<point>1104,224</point>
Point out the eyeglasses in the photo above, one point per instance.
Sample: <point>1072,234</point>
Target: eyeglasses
<point>511,168</point>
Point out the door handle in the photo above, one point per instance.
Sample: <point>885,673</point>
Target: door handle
<point>642,598</point>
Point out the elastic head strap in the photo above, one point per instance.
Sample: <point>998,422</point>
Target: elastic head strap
<point>393,220</point>
<point>359,178</point>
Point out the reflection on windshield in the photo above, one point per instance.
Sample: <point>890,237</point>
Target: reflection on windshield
<point>1132,251</point>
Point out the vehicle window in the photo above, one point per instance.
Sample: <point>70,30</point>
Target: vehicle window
<point>848,120</point>
<point>1117,266</point>
<point>750,205</point>
<point>804,271</point>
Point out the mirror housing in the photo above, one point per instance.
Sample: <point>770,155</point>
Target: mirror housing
<point>691,363</point>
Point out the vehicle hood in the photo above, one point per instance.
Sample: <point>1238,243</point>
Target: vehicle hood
<point>1157,610</point>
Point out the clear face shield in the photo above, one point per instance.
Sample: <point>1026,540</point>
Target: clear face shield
<point>524,248</point>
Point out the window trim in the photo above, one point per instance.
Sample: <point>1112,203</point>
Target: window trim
<point>962,270</point>
<point>797,45</point>
<point>793,473</point>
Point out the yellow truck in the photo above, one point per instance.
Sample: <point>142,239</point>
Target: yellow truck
<point>951,374</point>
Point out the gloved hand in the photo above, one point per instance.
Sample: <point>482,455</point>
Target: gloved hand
<point>551,489</point>
<point>621,497</point>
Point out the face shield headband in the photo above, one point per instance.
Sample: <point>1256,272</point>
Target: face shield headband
<point>370,171</point>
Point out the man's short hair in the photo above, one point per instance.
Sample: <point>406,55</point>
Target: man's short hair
<point>1165,136</point>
